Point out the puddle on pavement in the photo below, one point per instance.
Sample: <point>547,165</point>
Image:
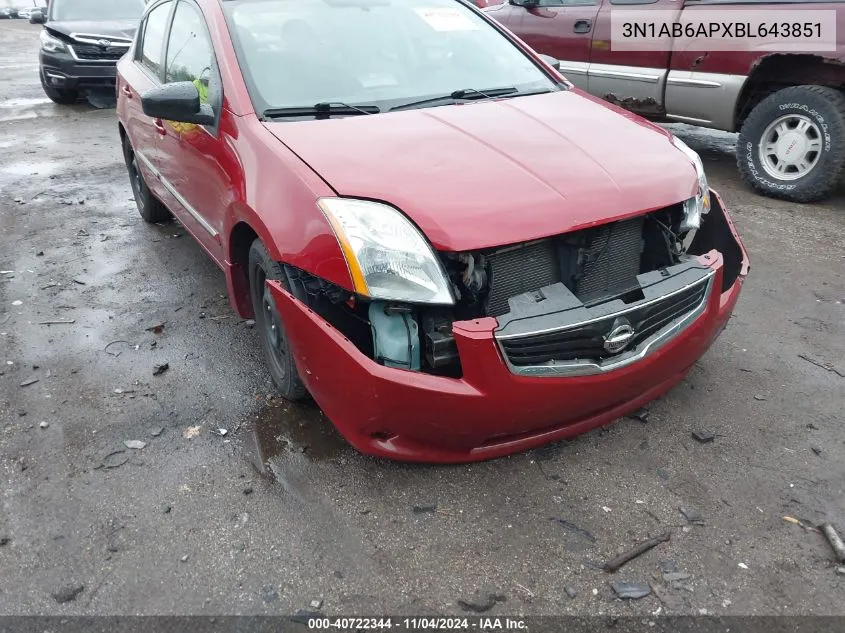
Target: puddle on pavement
<point>14,104</point>
<point>283,428</point>
<point>26,168</point>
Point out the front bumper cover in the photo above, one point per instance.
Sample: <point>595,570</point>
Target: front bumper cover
<point>490,411</point>
<point>62,71</point>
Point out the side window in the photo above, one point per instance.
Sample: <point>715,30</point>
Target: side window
<point>152,46</point>
<point>190,56</point>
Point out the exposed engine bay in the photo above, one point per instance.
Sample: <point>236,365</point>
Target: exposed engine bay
<point>589,269</point>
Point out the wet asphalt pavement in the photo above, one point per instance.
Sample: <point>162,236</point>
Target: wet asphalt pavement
<point>279,512</point>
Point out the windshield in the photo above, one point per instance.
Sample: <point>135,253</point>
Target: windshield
<point>96,10</point>
<point>382,52</point>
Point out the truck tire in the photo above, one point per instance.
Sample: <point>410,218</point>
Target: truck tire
<point>792,145</point>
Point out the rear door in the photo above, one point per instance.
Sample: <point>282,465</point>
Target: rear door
<point>634,79</point>
<point>139,75</point>
<point>562,29</point>
<point>193,156</point>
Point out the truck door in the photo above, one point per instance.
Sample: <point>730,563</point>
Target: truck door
<point>560,28</point>
<point>633,79</point>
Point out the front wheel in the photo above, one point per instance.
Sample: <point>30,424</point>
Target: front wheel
<point>58,95</point>
<point>274,339</point>
<point>792,145</point>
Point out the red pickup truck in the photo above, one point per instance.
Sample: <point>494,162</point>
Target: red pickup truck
<point>789,108</point>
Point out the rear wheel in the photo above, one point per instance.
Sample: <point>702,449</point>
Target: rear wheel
<point>792,145</point>
<point>58,95</point>
<point>268,321</point>
<point>150,208</point>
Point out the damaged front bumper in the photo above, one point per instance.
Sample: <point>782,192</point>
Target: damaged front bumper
<point>501,405</point>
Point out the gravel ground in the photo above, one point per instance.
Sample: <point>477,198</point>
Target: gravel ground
<point>279,512</point>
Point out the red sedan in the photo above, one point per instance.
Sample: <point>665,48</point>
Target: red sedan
<point>456,253</point>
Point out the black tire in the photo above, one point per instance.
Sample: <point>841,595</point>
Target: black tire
<point>57,95</point>
<point>274,340</point>
<point>822,106</point>
<point>150,207</point>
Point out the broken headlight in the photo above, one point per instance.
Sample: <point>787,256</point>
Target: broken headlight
<point>388,257</point>
<point>697,206</point>
<point>51,44</point>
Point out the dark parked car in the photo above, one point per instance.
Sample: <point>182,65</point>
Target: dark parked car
<point>8,13</point>
<point>81,43</point>
<point>318,151</point>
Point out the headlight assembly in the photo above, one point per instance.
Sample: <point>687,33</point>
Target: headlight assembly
<point>699,205</point>
<point>51,44</point>
<point>388,257</point>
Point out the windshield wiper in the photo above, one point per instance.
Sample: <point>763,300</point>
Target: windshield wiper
<point>466,94</point>
<point>324,109</point>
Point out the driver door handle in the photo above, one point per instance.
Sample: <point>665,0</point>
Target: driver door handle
<point>159,126</point>
<point>582,26</point>
<point>127,92</point>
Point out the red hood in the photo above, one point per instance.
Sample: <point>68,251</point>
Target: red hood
<point>498,172</point>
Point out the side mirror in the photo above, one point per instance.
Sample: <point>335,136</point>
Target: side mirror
<point>551,61</point>
<point>37,17</point>
<point>179,101</point>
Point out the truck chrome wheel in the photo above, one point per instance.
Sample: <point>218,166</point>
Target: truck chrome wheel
<point>790,147</point>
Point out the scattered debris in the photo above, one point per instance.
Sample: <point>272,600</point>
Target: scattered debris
<point>605,508</point>
<point>835,541</point>
<point>60,322</point>
<point>68,593</point>
<point>39,254</point>
<point>640,415</point>
<point>158,370</point>
<point>184,559</point>
<point>570,591</point>
<point>106,348</point>
<point>424,509</point>
<point>17,302</point>
<point>809,528</point>
<point>4,540</point>
<point>630,590</point>
<point>840,571</point>
<point>78,281</point>
<point>316,603</point>
<point>826,366</point>
<point>221,432</point>
<point>816,449</point>
<point>44,425</point>
<point>135,444</point>
<point>574,528</point>
<point>617,562</point>
<point>114,459</point>
<point>29,381</point>
<point>248,490</point>
<point>691,515</point>
<point>250,323</point>
<point>191,432</point>
<point>760,398</point>
<point>157,431</point>
<point>120,391</point>
<point>481,602</point>
<point>703,437</point>
<point>525,589</point>
<point>742,565</point>
<point>156,329</point>
<point>812,426</point>
<point>675,576</point>
<point>166,508</point>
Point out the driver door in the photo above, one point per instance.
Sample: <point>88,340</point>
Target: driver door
<point>562,29</point>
